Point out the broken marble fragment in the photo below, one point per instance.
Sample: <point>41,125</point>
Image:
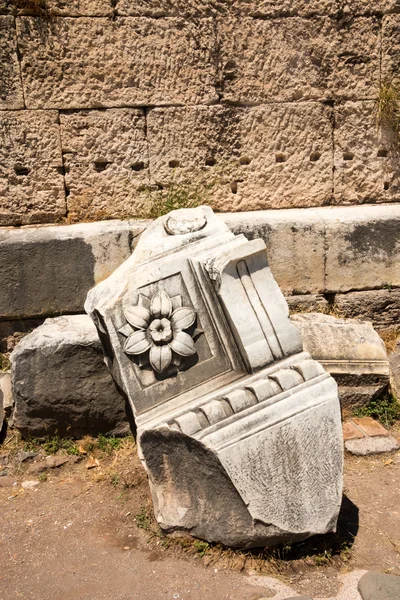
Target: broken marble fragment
<point>238,428</point>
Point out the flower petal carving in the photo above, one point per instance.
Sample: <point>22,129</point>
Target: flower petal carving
<point>161,305</point>
<point>137,316</point>
<point>137,343</point>
<point>182,318</point>
<point>183,344</point>
<point>160,357</point>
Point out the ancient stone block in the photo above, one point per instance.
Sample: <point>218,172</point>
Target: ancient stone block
<point>31,171</point>
<point>381,307</point>
<point>11,95</point>
<point>61,384</point>
<point>390,46</point>
<point>394,361</point>
<point>49,9</point>
<point>106,162</point>
<point>351,351</point>
<point>49,270</point>
<point>272,156</point>
<point>239,430</point>
<point>285,8</point>
<point>366,161</point>
<point>175,8</point>
<point>363,247</point>
<point>286,234</point>
<point>299,59</point>
<point>307,303</point>
<point>95,63</point>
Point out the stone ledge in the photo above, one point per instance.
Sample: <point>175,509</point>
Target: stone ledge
<point>48,270</point>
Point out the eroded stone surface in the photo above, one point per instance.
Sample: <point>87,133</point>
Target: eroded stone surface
<point>49,270</point>
<point>287,233</point>
<point>106,162</point>
<point>394,361</point>
<point>293,59</point>
<point>61,384</point>
<point>48,9</point>
<point>272,156</point>
<point>31,171</point>
<point>239,430</point>
<point>351,351</point>
<point>80,63</point>
<point>390,46</point>
<point>382,307</point>
<point>365,157</point>
<point>379,586</point>
<point>372,445</point>
<point>11,95</point>
<point>362,249</point>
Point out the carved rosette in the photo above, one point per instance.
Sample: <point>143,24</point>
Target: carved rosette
<point>156,332</point>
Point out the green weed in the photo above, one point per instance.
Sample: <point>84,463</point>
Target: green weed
<point>173,196</point>
<point>143,519</point>
<point>108,444</point>
<point>323,559</point>
<point>385,409</point>
<point>201,547</point>
<point>52,445</point>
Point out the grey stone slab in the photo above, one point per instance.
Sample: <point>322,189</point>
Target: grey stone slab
<point>363,247</point>
<point>49,270</point>
<point>61,385</point>
<point>287,234</point>
<point>379,586</point>
<point>239,430</point>
<point>372,445</point>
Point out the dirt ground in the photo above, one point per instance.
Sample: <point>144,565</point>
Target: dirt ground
<point>89,534</point>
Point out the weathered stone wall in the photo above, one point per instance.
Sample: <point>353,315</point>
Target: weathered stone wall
<point>257,103</point>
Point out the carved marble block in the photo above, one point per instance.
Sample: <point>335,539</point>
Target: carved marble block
<point>238,428</point>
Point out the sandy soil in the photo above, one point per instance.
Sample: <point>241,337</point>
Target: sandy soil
<point>88,534</point>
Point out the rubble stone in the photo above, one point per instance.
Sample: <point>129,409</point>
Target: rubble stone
<point>351,351</point>
<point>98,63</point>
<point>394,361</point>
<point>381,307</point>
<point>31,168</point>
<point>61,384</point>
<point>372,445</point>
<point>379,586</point>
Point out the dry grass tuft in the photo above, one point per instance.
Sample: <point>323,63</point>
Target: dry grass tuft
<point>388,107</point>
<point>390,337</point>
